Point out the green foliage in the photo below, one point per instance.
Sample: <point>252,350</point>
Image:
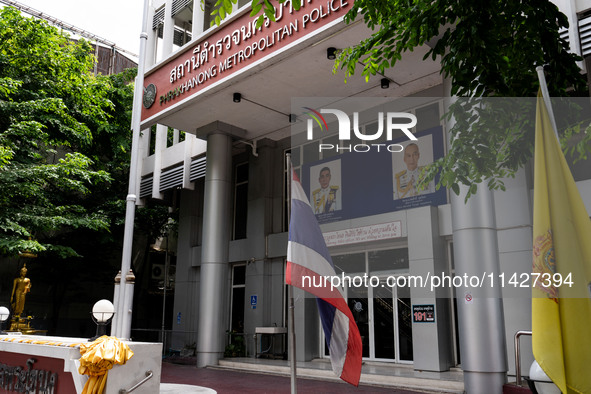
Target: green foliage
<point>156,221</point>
<point>61,138</point>
<point>221,9</point>
<point>486,49</point>
<point>236,347</point>
<point>261,9</point>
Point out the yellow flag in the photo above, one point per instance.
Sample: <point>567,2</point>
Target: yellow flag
<point>561,299</point>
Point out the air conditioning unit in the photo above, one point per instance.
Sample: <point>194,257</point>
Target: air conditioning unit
<point>158,271</point>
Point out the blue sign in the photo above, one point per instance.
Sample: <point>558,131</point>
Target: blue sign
<point>253,300</point>
<point>358,184</point>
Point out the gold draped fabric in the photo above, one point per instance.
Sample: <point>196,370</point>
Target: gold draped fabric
<point>98,357</point>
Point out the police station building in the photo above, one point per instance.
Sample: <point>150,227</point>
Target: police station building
<point>223,106</point>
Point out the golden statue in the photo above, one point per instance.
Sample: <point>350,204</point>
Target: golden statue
<point>20,288</point>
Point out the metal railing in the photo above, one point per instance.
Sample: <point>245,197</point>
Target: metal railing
<point>518,355</point>
<point>149,375</point>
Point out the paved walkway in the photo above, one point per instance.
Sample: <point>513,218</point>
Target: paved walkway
<point>224,381</point>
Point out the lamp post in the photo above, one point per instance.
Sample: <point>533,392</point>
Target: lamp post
<point>4,313</point>
<point>102,313</point>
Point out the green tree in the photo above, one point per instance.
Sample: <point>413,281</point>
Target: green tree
<point>65,143</point>
<point>50,105</point>
<point>487,49</point>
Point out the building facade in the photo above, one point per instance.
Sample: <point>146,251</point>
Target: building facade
<point>226,96</point>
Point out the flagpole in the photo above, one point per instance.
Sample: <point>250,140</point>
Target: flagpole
<point>122,313</point>
<point>290,316</point>
<point>546,97</point>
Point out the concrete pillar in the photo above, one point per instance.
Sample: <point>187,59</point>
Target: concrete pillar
<point>514,232</point>
<point>432,341</point>
<point>143,152</point>
<point>214,255</point>
<point>161,142</point>
<point>186,289</point>
<point>117,291</point>
<point>307,325</point>
<point>152,43</point>
<point>168,30</point>
<point>128,304</point>
<point>198,21</point>
<point>125,323</point>
<point>190,140</point>
<point>480,310</point>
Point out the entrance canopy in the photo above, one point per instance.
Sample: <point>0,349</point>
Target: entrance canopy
<point>195,86</point>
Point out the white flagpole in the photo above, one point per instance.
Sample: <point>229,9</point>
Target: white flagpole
<point>546,97</point>
<point>291,317</point>
<point>122,330</point>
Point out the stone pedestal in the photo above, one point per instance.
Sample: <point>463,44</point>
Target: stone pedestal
<point>51,363</point>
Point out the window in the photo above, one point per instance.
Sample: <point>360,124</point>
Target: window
<point>454,304</point>
<point>428,117</point>
<point>578,168</point>
<point>237,296</point>
<point>240,201</point>
<point>209,6</point>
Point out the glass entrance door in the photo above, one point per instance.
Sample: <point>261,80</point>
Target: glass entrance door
<point>358,303</point>
<point>383,323</point>
<point>382,312</point>
<point>390,323</point>
<point>404,324</point>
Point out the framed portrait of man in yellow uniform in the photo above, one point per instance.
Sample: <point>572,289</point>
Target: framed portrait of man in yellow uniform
<point>326,197</point>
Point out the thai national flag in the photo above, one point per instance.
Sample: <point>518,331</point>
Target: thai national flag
<point>307,255</point>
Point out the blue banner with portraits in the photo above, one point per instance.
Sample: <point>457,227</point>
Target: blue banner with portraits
<point>357,184</point>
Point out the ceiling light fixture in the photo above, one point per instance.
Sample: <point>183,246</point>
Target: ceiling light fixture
<point>331,53</point>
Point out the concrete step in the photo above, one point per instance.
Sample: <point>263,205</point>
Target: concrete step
<point>399,377</point>
<point>171,388</point>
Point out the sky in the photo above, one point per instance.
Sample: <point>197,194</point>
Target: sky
<point>118,21</point>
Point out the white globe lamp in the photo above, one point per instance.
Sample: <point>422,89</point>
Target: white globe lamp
<point>102,313</point>
<point>4,314</point>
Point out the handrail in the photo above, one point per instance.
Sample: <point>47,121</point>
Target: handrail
<point>518,355</point>
<point>149,375</point>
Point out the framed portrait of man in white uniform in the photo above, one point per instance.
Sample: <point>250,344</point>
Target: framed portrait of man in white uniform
<point>408,165</point>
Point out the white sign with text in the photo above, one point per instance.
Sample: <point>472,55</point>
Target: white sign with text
<point>374,232</point>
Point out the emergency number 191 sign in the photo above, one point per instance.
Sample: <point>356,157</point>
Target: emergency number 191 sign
<point>423,313</point>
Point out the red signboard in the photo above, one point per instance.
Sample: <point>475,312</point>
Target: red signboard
<point>234,47</point>
<point>21,373</point>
